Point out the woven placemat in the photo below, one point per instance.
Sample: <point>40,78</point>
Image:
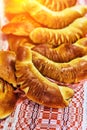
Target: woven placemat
<point>31,116</point>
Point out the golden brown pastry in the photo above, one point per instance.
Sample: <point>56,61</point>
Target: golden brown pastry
<point>8,99</point>
<point>65,52</point>
<point>36,87</point>
<point>70,72</point>
<point>20,25</point>
<point>13,7</point>
<point>7,67</point>
<point>52,19</point>
<point>14,41</point>
<point>55,37</point>
<point>57,5</point>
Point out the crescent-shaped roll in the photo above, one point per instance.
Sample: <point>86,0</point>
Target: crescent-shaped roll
<point>52,19</point>
<point>8,99</point>
<point>71,72</point>
<point>57,5</point>
<point>69,51</point>
<point>55,37</point>
<point>20,25</point>
<point>7,67</point>
<point>36,87</point>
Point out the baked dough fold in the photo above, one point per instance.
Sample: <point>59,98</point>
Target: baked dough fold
<point>52,19</point>
<point>71,72</point>
<point>7,67</point>
<point>8,99</point>
<point>36,87</point>
<point>65,52</point>
<point>55,37</point>
<point>57,5</point>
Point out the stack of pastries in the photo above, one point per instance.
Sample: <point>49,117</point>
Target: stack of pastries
<point>47,47</point>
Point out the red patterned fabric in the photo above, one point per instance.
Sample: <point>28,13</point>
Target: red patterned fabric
<point>31,116</point>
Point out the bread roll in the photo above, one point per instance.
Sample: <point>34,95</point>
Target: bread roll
<point>7,67</point>
<point>57,5</point>
<point>20,25</point>
<point>52,19</point>
<point>55,37</point>
<point>36,87</point>
<point>69,51</point>
<point>8,99</point>
<point>71,72</point>
<point>13,8</point>
<point>14,41</point>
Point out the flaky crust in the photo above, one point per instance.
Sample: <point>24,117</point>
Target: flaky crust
<point>70,72</point>
<point>57,5</point>
<point>37,87</point>
<point>52,19</point>
<point>55,37</point>
<point>8,99</point>
<point>70,51</point>
<point>7,67</point>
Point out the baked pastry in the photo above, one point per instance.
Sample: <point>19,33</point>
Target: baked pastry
<point>14,41</point>
<point>20,25</point>
<point>57,5</point>
<point>69,51</point>
<point>52,19</point>
<point>8,83</point>
<point>55,37</point>
<point>7,67</point>
<point>36,87</point>
<point>13,8</point>
<point>71,72</point>
<point>8,99</point>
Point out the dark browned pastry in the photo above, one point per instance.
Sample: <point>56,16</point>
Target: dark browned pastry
<point>53,19</point>
<point>7,67</point>
<point>57,5</point>
<point>36,87</point>
<point>55,37</point>
<point>70,72</point>
<point>64,52</point>
<point>8,99</point>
